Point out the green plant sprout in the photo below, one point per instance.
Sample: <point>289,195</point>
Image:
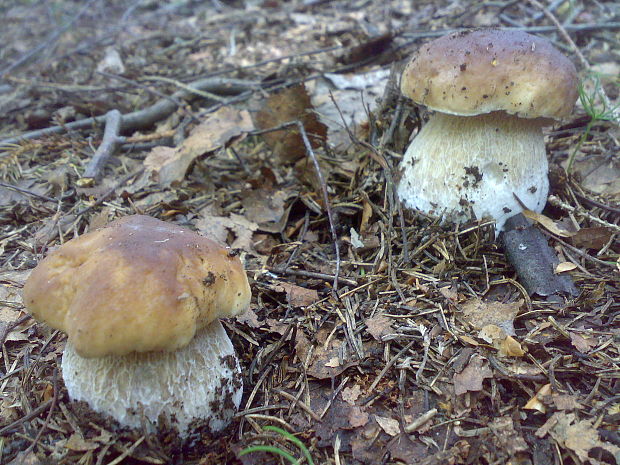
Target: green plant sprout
<point>278,451</point>
<point>595,104</point>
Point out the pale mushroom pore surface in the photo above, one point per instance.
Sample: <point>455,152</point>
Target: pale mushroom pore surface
<point>197,385</point>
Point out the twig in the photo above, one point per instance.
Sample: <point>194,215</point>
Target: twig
<point>127,452</point>
<point>11,326</point>
<point>109,144</point>
<point>41,408</point>
<point>302,405</point>
<point>109,192</point>
<point>330,216</point>
<point>177,102</point>
<point>150,115</point>
<point>21,190</point>
<point>388,365</point>
<point>553,200</point>
<point>49,413</point>
<point>312,274</point>
<point>581,252</point>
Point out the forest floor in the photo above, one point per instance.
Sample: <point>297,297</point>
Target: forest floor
<point>375,336</point>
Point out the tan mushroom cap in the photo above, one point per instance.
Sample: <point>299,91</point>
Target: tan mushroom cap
<point>139,284</point>
<point>480,71</point>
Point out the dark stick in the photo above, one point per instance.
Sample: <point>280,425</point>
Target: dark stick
<point>533,259</point>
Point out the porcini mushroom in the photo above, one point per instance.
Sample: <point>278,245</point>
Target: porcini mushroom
<point>140,300</point>
<point>482,153</point>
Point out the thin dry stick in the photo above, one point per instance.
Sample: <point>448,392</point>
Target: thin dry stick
<point>41,408</point>
<point>328,207</point>
<point>301,404</point>
<point>49,413</point>
<point>109,144</point>
<point>553,200</point>
<point>388,365</point>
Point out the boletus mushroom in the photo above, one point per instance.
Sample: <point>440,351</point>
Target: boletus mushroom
<point>482,153</point>
<point>140,301</point>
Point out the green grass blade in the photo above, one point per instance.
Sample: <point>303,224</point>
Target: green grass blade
<point>271,450</point>
<point>294,439</point>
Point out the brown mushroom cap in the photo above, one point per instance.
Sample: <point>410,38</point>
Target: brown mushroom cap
<point>139,284</point>
<point>485,70</point>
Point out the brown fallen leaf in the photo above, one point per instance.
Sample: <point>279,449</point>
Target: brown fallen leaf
<point>78,443</point>
<point>249,318</point>
<point>537,402</point>
<point>379,326</point>
<point>472,376</point>
<point>592,238</point>
<point>167,164</point>
<point>351,394</point>
<point>389,425</point>
<point>218,228</point>
<point>290,104</point>
<point>357,417</point>
<point>547,223</point>
<point>577,435</point>
<point>563,267</point>
<point>322,357</point>
<point>565,402</point>
<point>506,436</point>
<point>297,296</point>
<point>582,344</point>
<point>265,207</point>
<point>479,314</point>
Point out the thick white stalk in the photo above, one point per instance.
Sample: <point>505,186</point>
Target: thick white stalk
<point>466,167</point>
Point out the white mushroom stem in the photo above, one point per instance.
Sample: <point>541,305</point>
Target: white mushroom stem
<point>459,167</point>
<point>201,381</point>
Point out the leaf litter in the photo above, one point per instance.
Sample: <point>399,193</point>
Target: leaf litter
<point>428,324</point>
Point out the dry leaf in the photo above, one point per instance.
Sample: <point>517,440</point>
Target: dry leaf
<point>472,376</point>
<point>379,326</point>
<point>321,355</point>
<point>167,165</point>
<point>389,425</point>
<point>298,296</point>
<point>565,402</point>
<point>78,443</point>
<point>507,436</point>
<point>479,314</point>
<point>249,318</point>
<point>492,334</point>
<point>580,343</point>
<point>265,207</point>
<point>357,417</point>
<point>592,238</point>
<point>290,104</point>
<point>576,435</point>
<point>509,347</point>
<point>536,402</point>
<point>218,228</point>
<point>450,293</point>
<point>564,266</point>
<point>351,394</point>
<point>547,223</point>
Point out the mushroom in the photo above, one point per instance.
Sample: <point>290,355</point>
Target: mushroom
<point>140,300</point>
<point>482,152</point>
